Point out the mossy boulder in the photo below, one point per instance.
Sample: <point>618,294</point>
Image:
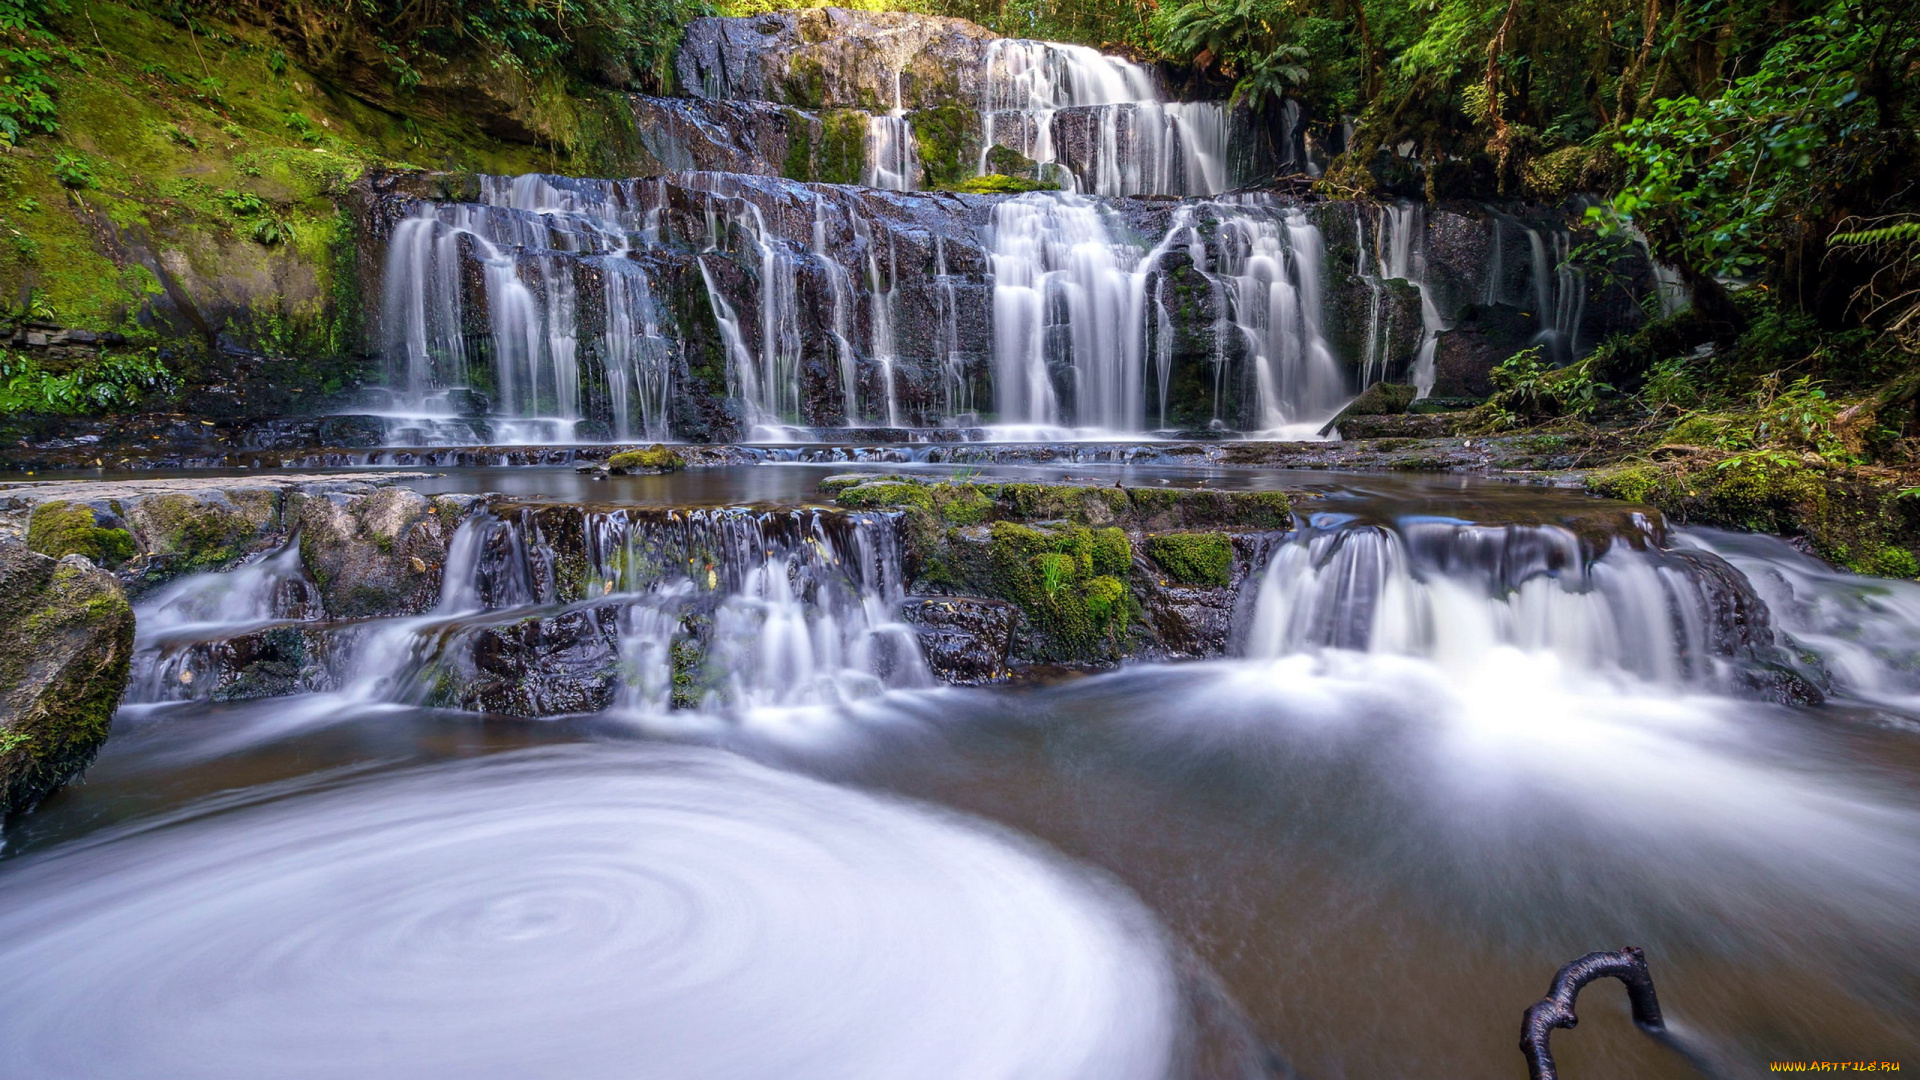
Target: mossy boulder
<point>207,530</point>
<point>657,458</point>
<point>66,638</point>
<point>1066,579</point>
<point>59,528</point>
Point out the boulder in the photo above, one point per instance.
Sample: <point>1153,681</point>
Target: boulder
<point>1380,399</point>
<point>66,638</point>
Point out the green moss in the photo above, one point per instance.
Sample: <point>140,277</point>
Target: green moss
<point>1011,163</point>
<point>806,83</point>
<point>799,164</point>
<point>843,147</point>
<point>655,458</point>
<point>1066,581</point>
<point>1193,558</point>
<point>948,138</point>
<point>58,529</point>
<point>997,184</point>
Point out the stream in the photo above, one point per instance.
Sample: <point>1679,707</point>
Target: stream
<point>1463,735</point>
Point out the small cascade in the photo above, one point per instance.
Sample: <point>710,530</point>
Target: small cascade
<point>1099,122</point>
<point>766,377</point>
<point>1454,594</point>
<point>893,157</point>
<point>1399,253</point>
<point>1068,306</point>
<point>880,293</point>
<point>1272,262</point>
<point>840,295</point>
<point>186,630</point>
<point>1559,293</point>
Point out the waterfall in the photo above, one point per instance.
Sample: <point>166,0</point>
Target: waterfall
<point>800,605</point>
<point>893,158</point>
<point>1066,296</point>
<point>766,378</point>
<point>1455,593</point>
<point>1127,140</point>
<point>185,630</point>
<point>840,296</point>
<point>1273,263</point>
<point>530,239</point>
<point>1399,246</point>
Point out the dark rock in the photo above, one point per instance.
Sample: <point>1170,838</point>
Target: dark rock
<point>1466,354</point>
<point>965,639</point>
<point>538,666</point>
<point>66,638</point>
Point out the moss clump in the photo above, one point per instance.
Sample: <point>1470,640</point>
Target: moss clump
<point>1067,581</point>
<point>997,184</point>
<point>1861,523</point>
<point>58,529</point>
<point>948,138</point>
<point>657,458</point>
<point>1193,558</point>
<point>1186,508</point>
<point>1008,162</point>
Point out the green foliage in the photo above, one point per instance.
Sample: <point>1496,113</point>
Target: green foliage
<point>74,171</point>
<point>117,380</point>
<point>27,87</point>
<point>626,44</point>
<point>1722,182</point>
<point>1251,40</point>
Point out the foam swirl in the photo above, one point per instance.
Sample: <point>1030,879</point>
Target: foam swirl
<point>585,911</point>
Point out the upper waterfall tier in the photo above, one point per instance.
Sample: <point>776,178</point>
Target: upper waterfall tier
<point>715,306</point>
<point>930,102</point>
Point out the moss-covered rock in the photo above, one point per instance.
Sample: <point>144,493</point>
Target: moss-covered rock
<point>59,528</point>
<point>373,554</point>
<point>1193,558</point>
<point>1851,517</point>
<point>183,532</point>
<point>658,458</point>
<point>66,637</point>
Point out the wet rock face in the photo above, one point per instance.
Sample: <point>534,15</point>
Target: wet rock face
<point>834,58</point>
<point>540,666</point>
<point>966,639</point>
<point>66,638</point>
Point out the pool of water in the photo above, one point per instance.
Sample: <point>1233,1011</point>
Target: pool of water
<point>1306,860</point>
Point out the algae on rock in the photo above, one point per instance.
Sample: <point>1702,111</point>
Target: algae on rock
<point>66,638</point>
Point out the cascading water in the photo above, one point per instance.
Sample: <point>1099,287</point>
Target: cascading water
<point>1272,264</point>
<point>1399,247</point>
<point>1129,141</point>
<point>526,378</point>
<point>1458,595</point>
<point>1067,297</point>
<point>893,157</point>
<point>186,631</point>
